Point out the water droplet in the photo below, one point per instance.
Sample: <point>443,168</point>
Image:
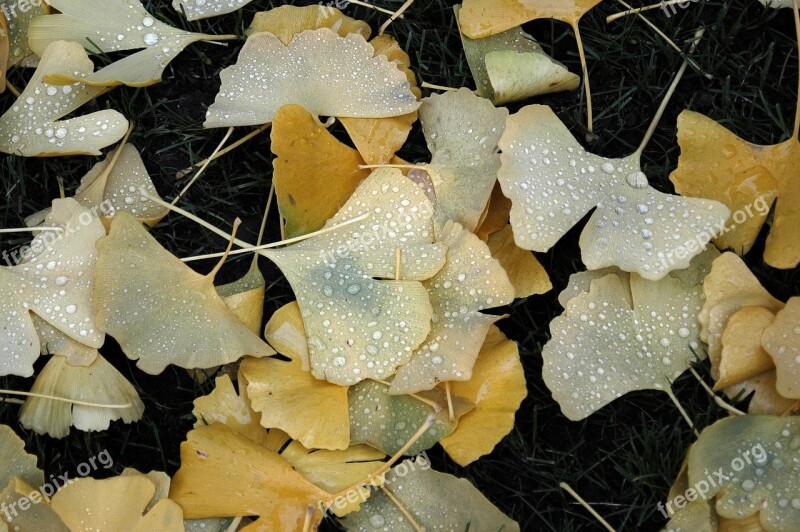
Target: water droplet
<point>150,39</point>
<point>607,168</point>
<point>683,332</point>
<point>637,179</point>
<point>148,21</point>
<point>339,362</point>
<point>353,289</point>
<point>71,309</point>
<point>748,485</point>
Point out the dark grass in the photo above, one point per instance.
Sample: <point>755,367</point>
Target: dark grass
<point>623,458</point>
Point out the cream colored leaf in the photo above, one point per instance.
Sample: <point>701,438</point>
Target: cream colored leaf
<point>159,310</point>
<point>199,9</point>
<point>471,281</point>
<point>55,342</point>
<point>32,126</point>
<point>15,462</point>
<point>340,77</point>
<point>55,283</point>
<point>99,383</point>
<point>360,322</point>
<point>553,183</point>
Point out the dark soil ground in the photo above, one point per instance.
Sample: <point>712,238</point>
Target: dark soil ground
<point>623,458</point>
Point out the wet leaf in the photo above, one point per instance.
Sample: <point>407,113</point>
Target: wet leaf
<point>781,340</point>
<point>196,10</point>
<point>287,21</point>
<point>482,18</point>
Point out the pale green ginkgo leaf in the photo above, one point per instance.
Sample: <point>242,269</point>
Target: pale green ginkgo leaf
<point>471,281</point>
<point>55,283</point>
<point>553,183</point>
<point>511,66</point>
<point>340,77</point>
<point>436,501</point>
<point>112,26</point>
<point>362,322</point>
<point>199,9</point>
<point>622,333</point>
<point>18,22</point>
<point>32,126</point>
<point>758,457</point>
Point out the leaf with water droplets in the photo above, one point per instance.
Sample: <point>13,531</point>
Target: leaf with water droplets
<point>31,127</point>
<point>471,281</point>
<point>482,18</point>
<point>55,342</point>
<point>360,321</point>
<point>159,310</point>
<point>497,388</point>
<point>621,336</point>
<point>200,9</point>
<point>245,297</point>
<point>55,283</point>
<point>19,52</point>
<point>287,21</point>
<point>511,66</point>
<point>758,456</point>
<point>99,383</point>
<point>553,183</point>
<point>436,501</point>
<point>340,77</point>
<point>37,516</point>
<point>107,26</point>
<point>742,356</point>
<point>15,462</point>
<point>462,131</point>
<point>781,340</point>
<point>288,397</point>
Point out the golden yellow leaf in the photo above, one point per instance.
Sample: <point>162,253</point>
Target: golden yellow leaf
<point>287,21</point>
<point>482,18</point>
<point>781,340</point>
<point>524,270</point>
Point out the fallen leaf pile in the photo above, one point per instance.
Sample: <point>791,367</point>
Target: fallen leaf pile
<point>400,273</point>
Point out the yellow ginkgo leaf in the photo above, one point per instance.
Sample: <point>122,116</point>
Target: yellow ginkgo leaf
<point>511,66</point>
<point>524,270</point>
<point>15,462</point>
<point>435,501</point>
<point>462,131</point>
<point>482,18</point>
<point>310,410</point>
<point>553,183</point>
<point>360,320</point>
<point>620,336</point>
<point>39,516</point>
<point>471,281</point>
<point>762,451</point>
<point>112,26</point>
<point>98,383</point>
<point>245,297</point>
<point>224,405</point>
<point>116,503</point>
<point>497,214</point>
<point>31,127</point>
<point>159,310</point>
<point>54,342</point>
<point>55,283</point>
<point>340,78</point>
<point>314,174</point>
<point>497,388</point>
<point>196,10</point>
<point>287,21</point>
<point>781,340</point>
<point>248,479</point>
<point>765,399</point>
<point>742,356</point>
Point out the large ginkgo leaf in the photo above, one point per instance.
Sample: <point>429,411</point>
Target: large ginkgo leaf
<point>462,131</point>
<point>340,77</point>
<point>112,26</point>
<point>436,501</point>
<point>471,281</point>
<point>32,126</point>
<point>55,283</point>
<point>553,183</point>
<point>624,333</point>
<point>159,310</point>
<point>758,458</point>
<point>361,322</point>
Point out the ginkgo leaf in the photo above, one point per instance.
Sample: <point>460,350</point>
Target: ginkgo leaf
<point>116,503</point>
<point>781,340</point>
<point>621,336</point>
<point>310,410</point>
<point>696,516</point>
<point>159,310</point>
<point>340,77</point>
<point>55,342</point>
<point>245,297</point>
<point>742,356</point>
<point>436,501</point>
<point>199,9</point>
<point>765,398</point>
<point>18,24</point>
<point>758,455</point>
<point>314,174</point>
<point>482,18</point>
<point>387,422</point>
<point>511,66</point>
<point>497,388</point>
<point>112,26</point>
<point>55,283</point>
<point>15,462</point>
<point>497,214</point>
<point>524,270</point>
<point>38,516</point>
<point>287,21</point>
<point>462,131</point>
<point>98,383</point>
<point>224,405</point>
<point>360,324</point>
<point>248,479</point>
<point>553,183</point>
<point>32,126</point>
<point>471,281</point>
